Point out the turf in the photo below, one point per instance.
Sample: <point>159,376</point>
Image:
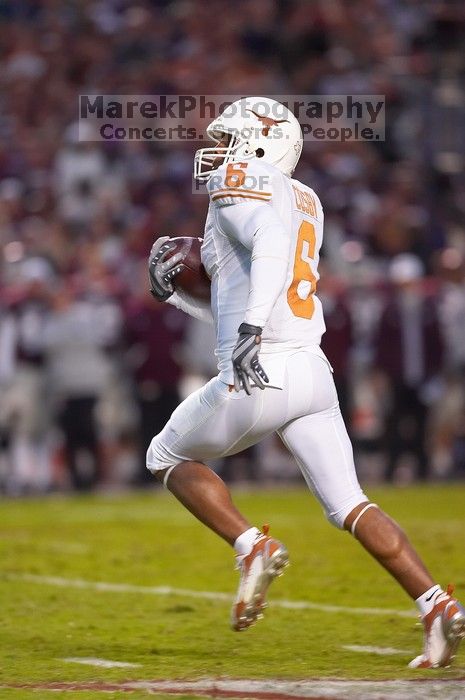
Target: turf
<point>149,540</point>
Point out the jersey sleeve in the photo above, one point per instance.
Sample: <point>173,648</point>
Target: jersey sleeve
<point>239,182</point>
<point>259,229</point>
<point>194,307</point>
<point>257,226</point>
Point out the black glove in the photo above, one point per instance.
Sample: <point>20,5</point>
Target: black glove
<point>162,271</point>
<point>246,366</point>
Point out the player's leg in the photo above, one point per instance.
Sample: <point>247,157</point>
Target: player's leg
<point>211,423</point>
<point>384,539</point>
<point>259,557</point>
<point>322,448</point>
<point>207,497</point>
<point>443,616</point>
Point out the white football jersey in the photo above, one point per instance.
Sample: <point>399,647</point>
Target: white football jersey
<point>296,320</point>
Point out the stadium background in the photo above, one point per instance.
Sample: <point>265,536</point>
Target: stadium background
<point>90,365</point>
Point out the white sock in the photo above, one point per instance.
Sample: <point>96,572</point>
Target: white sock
<point>425,603</point>
<point>244,543</point>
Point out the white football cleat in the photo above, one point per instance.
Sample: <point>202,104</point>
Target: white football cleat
<point>444,630</point>
<point>267,560</point>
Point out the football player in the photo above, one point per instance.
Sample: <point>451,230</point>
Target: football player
<point>261,248</point>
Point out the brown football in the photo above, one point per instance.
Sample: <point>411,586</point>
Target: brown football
<point>193,279</point>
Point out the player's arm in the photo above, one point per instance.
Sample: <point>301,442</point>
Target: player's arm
<point>258,227</point>
<point>163,268</point>
<point>194,307</point>
<point>240,195</point>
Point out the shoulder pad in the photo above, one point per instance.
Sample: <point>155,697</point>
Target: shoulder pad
<point>240,181</point>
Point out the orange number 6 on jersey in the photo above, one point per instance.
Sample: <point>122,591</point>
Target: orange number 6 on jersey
<point>235,175</point>
<point>303,305</point>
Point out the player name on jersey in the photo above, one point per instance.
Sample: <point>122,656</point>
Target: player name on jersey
<point>305,202</point>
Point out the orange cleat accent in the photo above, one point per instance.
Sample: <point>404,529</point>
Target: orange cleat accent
<point>444,630</point>
<point>258,569</point>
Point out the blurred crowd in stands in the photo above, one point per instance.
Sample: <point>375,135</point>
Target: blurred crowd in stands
<point>90,365</point>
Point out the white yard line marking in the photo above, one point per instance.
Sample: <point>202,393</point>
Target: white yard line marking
<point>54,545</point>
<point>207,595</point>
<point>103,663</point>
<point>67,547</point>
<point>381,651</point>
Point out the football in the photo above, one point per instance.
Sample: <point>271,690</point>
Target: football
<point>193,279</point>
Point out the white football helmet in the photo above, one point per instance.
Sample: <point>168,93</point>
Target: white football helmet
<point>258,128</point>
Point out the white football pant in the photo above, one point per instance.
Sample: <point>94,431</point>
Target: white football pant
<point>217,421</point>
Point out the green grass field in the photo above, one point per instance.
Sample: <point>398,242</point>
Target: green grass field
<point>148,540</point>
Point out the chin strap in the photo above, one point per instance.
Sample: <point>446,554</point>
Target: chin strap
<point>364,510</point>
